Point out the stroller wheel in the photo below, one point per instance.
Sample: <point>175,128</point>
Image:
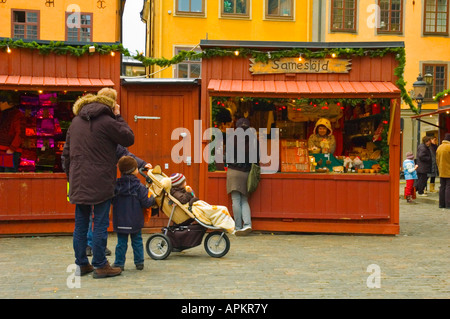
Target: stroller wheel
<point>217,244</point>
<point>158,246</point>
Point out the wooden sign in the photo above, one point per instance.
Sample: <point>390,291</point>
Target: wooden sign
<point>293,65</point>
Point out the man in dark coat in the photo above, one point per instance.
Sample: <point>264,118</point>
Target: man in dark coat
<point>423,160</point>
<point>90,164</point>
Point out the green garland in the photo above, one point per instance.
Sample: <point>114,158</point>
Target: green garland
<point>441,95</point>
<point>61,48</point>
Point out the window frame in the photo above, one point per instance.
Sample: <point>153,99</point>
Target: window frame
<point>79,29</point>
<point>25,24</point>
<point>268,16</point>
<point>436,20</point>
<point>177,49</point>
<point>389,31</point>
<point>190,13</point>
<point>355,13</point>
<point>224,14</point>
<point>433,85</point>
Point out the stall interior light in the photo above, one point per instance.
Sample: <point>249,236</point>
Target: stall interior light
<point>236,53</point>
<point>8,49</point>
<point>113,53</point>
<point>333,55</point>
<point>300,59</point>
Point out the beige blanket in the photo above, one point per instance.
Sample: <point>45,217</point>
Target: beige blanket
<point>213,215</point>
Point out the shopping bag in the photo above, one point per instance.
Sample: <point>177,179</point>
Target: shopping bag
<point>253,178</point>
<point>6,160</point>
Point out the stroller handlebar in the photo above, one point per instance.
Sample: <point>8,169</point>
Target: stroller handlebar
<point>142,171</point>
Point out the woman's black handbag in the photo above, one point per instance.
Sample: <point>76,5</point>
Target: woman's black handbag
<point>253,178</point>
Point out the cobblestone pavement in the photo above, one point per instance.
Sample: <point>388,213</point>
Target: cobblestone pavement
<point>413,264</point>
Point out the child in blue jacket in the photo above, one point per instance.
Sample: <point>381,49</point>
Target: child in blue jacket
<point>409,169</point>
<point>130,198</point>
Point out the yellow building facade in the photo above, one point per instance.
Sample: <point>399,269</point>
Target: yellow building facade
<point>62,20</point>
<point>423,25</point>
<point>181,24</point>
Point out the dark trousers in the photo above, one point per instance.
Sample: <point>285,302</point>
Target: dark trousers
<point>421,182</point>
<point>444,193</point>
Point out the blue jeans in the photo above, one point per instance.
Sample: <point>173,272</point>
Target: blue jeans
<point>122,245</point>
<point>241,210</point>
<point>100,233</point>
<point>89,234</point>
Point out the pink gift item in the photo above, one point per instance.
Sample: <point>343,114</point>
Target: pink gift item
<point>45,127</point>
<point>48,99</point>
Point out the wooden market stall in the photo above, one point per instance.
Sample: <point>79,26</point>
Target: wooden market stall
<point>289,86</point>
<point>443,113</point>
<point>44,87</point>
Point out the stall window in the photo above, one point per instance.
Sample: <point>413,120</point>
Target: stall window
<point>436,17</point>
<point>391,16</point>
<point>354,141</point>
<point>25,24</point>
<point>188,69</point>
<point>343,15</point>
<point>47,117</point>
<point>279,9</point>
<point>79,32</point>
<point>235,8</point>
<point>190,7</point>
<point>439,72</point>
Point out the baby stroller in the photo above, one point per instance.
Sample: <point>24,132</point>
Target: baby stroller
<point>184,233</point>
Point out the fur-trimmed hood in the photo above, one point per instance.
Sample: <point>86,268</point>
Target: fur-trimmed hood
<point>325,122</point>
<point>91,98</point>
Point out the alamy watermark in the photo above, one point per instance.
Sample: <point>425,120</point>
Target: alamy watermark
<point>235,146</point>
<point>374,279</point>
<point>74,279</point>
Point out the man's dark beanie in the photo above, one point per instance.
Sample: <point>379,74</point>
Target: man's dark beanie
<point>127,165</point>
<point>447,137</point>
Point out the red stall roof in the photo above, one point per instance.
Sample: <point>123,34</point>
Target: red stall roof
<point>52,81</point>
<point>303,87</point>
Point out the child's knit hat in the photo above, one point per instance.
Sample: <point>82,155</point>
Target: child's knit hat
<point>409,155</point>
<point>127,165</point>
<point>177,179</point>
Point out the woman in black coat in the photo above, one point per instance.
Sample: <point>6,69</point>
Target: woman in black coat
<point>424,162</point>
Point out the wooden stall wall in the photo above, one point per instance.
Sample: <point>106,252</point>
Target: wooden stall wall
<point>313,202</point>
<point>32,203</point>
<point>175,106</point>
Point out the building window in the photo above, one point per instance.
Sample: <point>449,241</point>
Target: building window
<point>25,24</point>
<point>439,72</point>
<point>235,8</point>
<point>391,16</point>
<point>78,31</point>
<point>279,9</point>
<point>190,7</point>
<point>188,69</point>
<point>436,17</point>
<point>343,15</point>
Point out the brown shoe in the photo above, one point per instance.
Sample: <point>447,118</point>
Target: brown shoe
<point>84,270</point>
<point>106,271</point>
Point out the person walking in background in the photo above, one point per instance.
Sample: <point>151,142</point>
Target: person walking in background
<point>424,162</point>
<point>90,165</point>
<point>237,175</point>
<point>443,163</point>
<point>131,197</point>
<point>434,169</point>
<point>409,169</point>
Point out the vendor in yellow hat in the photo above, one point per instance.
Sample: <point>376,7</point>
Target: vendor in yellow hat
<point>322,140</point>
